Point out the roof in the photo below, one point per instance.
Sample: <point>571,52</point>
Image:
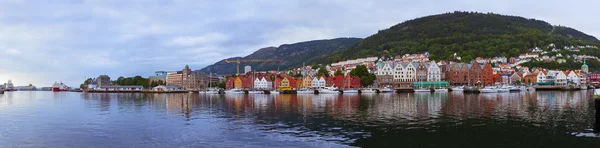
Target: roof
<point>167,86</point>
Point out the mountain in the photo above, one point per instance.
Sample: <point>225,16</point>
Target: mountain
<point>292,55</point>
<point>466,33</point>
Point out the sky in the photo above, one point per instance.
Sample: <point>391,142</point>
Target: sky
<point>69,40</point>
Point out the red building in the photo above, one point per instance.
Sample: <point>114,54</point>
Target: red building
<point>329,81</point>
<point>355,83</point>
<point>594,78</point>
<point>487,73</point>
<point>475,73</point>
<point>229,84</point>
<point>338,82</point>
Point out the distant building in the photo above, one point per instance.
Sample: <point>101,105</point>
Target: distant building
<point>158,76</point>
<point>247,68</point>
<point>103,80</point>
<point>187,79</point>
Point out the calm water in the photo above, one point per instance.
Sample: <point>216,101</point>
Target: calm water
<point>69,119</point>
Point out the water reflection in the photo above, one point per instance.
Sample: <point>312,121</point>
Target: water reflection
<point>413,119</point>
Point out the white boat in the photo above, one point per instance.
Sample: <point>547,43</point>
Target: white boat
<point>234,91</point>
<point>209,91</point>
<point>488,90</point>
<point>368,91</point>
<point>305,91</point>
<point>255,92</point>
<point>514,88</point>
<point>503,89</point>
<point>350,91</point>
<point>458,89</point>
<point>387,90</point>
<point>329,90</point>
<point>422,90</point>
<point>441,89</point>
<point>275,92</point>
<point>523,88</point>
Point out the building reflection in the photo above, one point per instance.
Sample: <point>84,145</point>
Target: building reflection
<point>426,107</point>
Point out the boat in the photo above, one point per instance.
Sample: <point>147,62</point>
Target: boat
<point>387,89</point>
<point>422,90</point>
<point>503,89</point>
<point>368,91</point>
<point>305,91</point>
<point>9,86</point>
<point>234,91</point>
<point>1,90</point>
<point>514,88</point>
<point>329,90</point>
<point>350,91</point>
<point>255,92</point>
<point>488,90</point>
<point>274,92</point>
<point>441,90</point>
<point>56,87</point>
<point>458,88</point>
<point>209,91</point>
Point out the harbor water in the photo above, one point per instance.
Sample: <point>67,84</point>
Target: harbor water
<point>452,119</point>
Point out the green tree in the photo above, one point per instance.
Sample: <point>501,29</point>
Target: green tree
<point>362,72</point>
<point>338,73</point>
<point>323,72</point>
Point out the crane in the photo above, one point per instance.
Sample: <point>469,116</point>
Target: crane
<point>238,61</point>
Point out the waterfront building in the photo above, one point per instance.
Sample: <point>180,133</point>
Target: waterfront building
<point>158,76</point>
<point>285,84</point>
<point>355,82</point>
<point>486,75</point>
<point>230,83</point>
<point>515,77</point>
<point>187,79</point>
<point>338,81</point>
<point>307,82</point>
<point>593,78</point>
<point>530,78</point>
<point>262,83</point>
<point>541,77</point>
<point>299,82</point>
<point>458,74</point>
<point>561,78</point>
<point>421,72</point>
<point>103,80</point>
<point>433,72</point>
<point>475,70</point>
<point>238,83</point>
<point>121,88</point>
<point>573,78</point>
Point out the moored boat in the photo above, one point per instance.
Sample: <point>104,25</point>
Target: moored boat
<point>255,92</point>
<point>234,91</point>
<point>488,90</point>
<point>275,92</point>
<point>387,90</point>
<point>422,90</point>
<point>350,91</point>
<point>458,89</point>
<point>503,89</point>
<point>368,91</point>
<point>56,87</point>
<point>305,91</point>
<point>441,90</point>
<point>209,91</point>
<point>329,90</point>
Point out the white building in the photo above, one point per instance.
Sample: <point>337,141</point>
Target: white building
<point>384,68</point>
<point>166,88</point>
<point>262,83</point>
<point>541,77</point>
<point>318,83</point>
<point>572,77</point>
<point>561,78</point>
<point>247,69</point>
<point>433,72</point>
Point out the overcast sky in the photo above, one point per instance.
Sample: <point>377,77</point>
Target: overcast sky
<point>68,40</point>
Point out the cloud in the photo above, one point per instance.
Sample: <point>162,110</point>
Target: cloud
<point>211,38</point>
<point>47,41</point>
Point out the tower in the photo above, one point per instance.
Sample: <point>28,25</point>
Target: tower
<point>584,67</point>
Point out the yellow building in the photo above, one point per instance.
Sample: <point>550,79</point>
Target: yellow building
<point>285,84</point>
<point>299,83</point>
<point>238,83</point>
<point>307,82</point>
